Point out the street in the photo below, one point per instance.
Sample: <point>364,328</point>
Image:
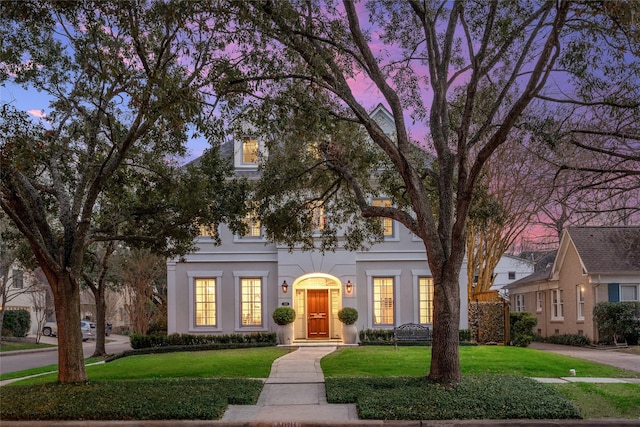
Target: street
<point>26,360</point>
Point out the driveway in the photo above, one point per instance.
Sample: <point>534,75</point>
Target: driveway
<point>612,357</point>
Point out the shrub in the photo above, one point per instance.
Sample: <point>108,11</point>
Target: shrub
<point>475,397</point>
<point>157,326</point>
<point>522,324</point>
<point>139,341</point>
<point>376,337</point>
<point>569,339</point>
<point>464,335</point>
<point>284,315</point>
<point>618,319</point>
<point>348,315</point>
<point>16,323</point>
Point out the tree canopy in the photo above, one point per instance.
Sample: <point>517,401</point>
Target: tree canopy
<point>129,83</point>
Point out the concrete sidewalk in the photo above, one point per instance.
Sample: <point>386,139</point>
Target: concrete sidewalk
<point>294,392</point>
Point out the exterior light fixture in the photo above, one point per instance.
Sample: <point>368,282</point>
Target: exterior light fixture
<point>285,287</point>
<point>348,287</point>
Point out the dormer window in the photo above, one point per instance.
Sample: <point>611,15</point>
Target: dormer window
<point>250,151</point>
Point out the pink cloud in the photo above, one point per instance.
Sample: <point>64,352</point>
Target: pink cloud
<point>37,113</point>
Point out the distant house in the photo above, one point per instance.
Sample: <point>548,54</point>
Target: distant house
<point>509,269</point>
<point>25,290</point>
<point>593,264</point>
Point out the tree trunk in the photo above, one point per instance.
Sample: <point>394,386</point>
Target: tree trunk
<point>445,360</point>
<point>66,295</point>
<point>101,310</point>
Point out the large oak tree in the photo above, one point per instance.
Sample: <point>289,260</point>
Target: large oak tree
<point>465,73</point>
<point>129,82</point>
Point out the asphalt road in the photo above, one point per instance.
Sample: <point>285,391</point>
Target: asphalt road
<point>17,361</point>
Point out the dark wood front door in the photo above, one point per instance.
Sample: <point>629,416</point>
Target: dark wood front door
<point>318,314</point>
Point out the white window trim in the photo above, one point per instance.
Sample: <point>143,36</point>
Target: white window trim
<point>560,304</point>
<point>539,301</point>
<point>237,276</point>
<point>630,285</point>
<point>580,308</point>
<point>395,274</point>
<point>417,274</point>
<point>193,275</point>
<point>519,303</point>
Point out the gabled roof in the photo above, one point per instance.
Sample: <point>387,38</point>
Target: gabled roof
<point>603,249</point>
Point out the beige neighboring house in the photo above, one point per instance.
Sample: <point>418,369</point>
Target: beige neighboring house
<point>593,264</point>
<point>25,290</point>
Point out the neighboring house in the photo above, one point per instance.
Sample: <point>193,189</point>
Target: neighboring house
<point>593,264</point>
<point>509,269</point>
<point>25,290</point>
<point>235,287</point>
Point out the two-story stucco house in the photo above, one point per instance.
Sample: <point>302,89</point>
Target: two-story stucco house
<point>234,287</point>
<point>593,264</point>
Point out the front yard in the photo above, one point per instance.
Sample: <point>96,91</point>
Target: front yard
<point>385,384</point>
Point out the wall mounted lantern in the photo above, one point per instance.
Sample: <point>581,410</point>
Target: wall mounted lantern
<point>348,287</point>
<point>285,287</point>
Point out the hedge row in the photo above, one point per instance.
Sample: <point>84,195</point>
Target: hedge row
<point>385,337</point>
<point>568,339</point>
<point>139,341</point>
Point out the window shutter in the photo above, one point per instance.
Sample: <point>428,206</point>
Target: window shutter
<point>614,292</point>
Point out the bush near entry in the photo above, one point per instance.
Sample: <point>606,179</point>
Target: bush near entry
<point>160,340</point>
<point>521,331</point>
<point>16,323</point>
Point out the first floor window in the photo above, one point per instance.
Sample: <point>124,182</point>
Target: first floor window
<point>628,293</point>
<point>538,301</point>
<point>425,297</point>
<point>383,301</point>
<point>205,302</point>
<point>519,303</point>
<point>557,305</point>
<point>251,302</point>
<point>580,301</point>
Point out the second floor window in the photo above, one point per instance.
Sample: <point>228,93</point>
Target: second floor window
<point>18,282</point>
<point>250,151</point>
<point>387,223</point>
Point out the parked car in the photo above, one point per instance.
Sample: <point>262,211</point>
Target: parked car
<point>50,329</point>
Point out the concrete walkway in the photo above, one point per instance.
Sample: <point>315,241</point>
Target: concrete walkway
<point>294,392</point>
<point>611,356</point>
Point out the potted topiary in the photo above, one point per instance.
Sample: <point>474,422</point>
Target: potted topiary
<point>284,317</point>
<point>348,317</point>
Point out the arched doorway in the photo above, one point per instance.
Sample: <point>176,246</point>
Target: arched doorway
<point>317,300</point>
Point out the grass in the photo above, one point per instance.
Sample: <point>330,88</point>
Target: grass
<point>481,360</point>
<point>40,370</point>
<point>390,384</point>
<point>349,371</point>
<point>236,363</point>
<point>18,345</point>
<point>604,400</point>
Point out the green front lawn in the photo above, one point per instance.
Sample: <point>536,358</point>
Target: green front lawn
<point>480,360</point>
<point>390,384</point>
<point>235,363</point>
<point>385,384</point>
<point>19,345</point>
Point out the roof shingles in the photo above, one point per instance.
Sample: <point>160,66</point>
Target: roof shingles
<point>608,249</point>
